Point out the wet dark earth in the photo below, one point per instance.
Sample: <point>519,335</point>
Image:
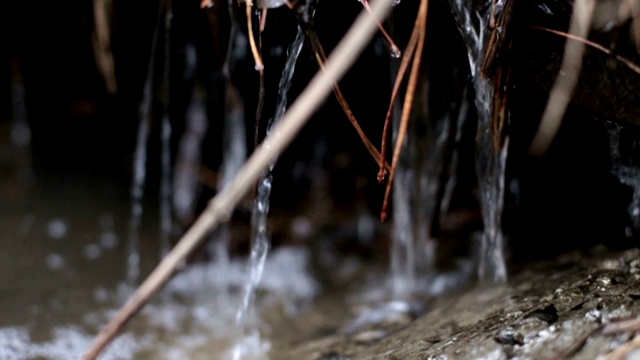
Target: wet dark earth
<point>578,306</point>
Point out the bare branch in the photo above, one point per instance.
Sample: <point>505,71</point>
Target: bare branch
<point>221,206</point>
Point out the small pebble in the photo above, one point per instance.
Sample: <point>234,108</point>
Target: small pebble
<point>369,336</point>
<point>509,336</point>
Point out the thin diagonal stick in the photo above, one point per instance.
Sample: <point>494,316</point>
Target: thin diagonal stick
<point>408,103</point>
<point>221,206</point>
<point>566,80</point>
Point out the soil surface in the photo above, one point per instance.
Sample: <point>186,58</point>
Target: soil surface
<point>577,306</point>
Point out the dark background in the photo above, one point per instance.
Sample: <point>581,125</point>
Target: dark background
<point>80,134</point>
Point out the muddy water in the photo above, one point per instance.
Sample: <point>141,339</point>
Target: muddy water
<point>64,264</point>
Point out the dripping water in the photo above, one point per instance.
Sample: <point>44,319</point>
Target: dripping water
<point>626,173</point>
<point>20,131</point>
<point>154,86</point>
<point>260,241</point>
<point>185,182</point>
<point>166,220</point>
<point>452,180</point>
<point>402,245</point>
<point>490,162</point>
<point>137,190</point>
<point>415,196</point>
<point>235,152</point>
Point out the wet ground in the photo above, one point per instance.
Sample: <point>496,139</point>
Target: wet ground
<point>63,264</point>
<point>578,306</point>
<point>62,267</point>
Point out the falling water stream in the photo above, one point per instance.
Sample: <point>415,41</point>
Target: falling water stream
<point>20,132</point>
<point>490,163</point>
<point>137,191</point>
<point>166,219</point>
<point>251,345</point>
<point>627,173</point>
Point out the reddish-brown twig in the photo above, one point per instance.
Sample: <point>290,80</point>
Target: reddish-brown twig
<point>404,65</point>
<point>395,51</point>
<point>321,58</point>
<point>408,102</point>
<point>252,41</point>
<point>630,64</point>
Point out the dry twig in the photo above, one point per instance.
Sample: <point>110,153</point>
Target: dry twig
<point>421,24</point>
<point>321,58</point>
<point>102,44</point>
<point>630,64</point>
<point>221,206</point>
<point>404,65</point>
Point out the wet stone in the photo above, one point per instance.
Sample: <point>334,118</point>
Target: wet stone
<point>509,336</point>
<point>520,322</point>
<point>369,336</point>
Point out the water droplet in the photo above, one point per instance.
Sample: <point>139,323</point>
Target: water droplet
<point>546,9</point>
<point>55,261</point>
<point>108,240</point>
<point>21,135</point>
<point>57,228</point>
<point>395,52</point>
<point>106,221</point>
<point>92,251</point>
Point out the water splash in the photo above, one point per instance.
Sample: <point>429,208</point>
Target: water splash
<point>260,241</point>
<point>490,162</point>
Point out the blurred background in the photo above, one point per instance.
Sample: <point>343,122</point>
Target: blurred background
<point>85,152</point>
